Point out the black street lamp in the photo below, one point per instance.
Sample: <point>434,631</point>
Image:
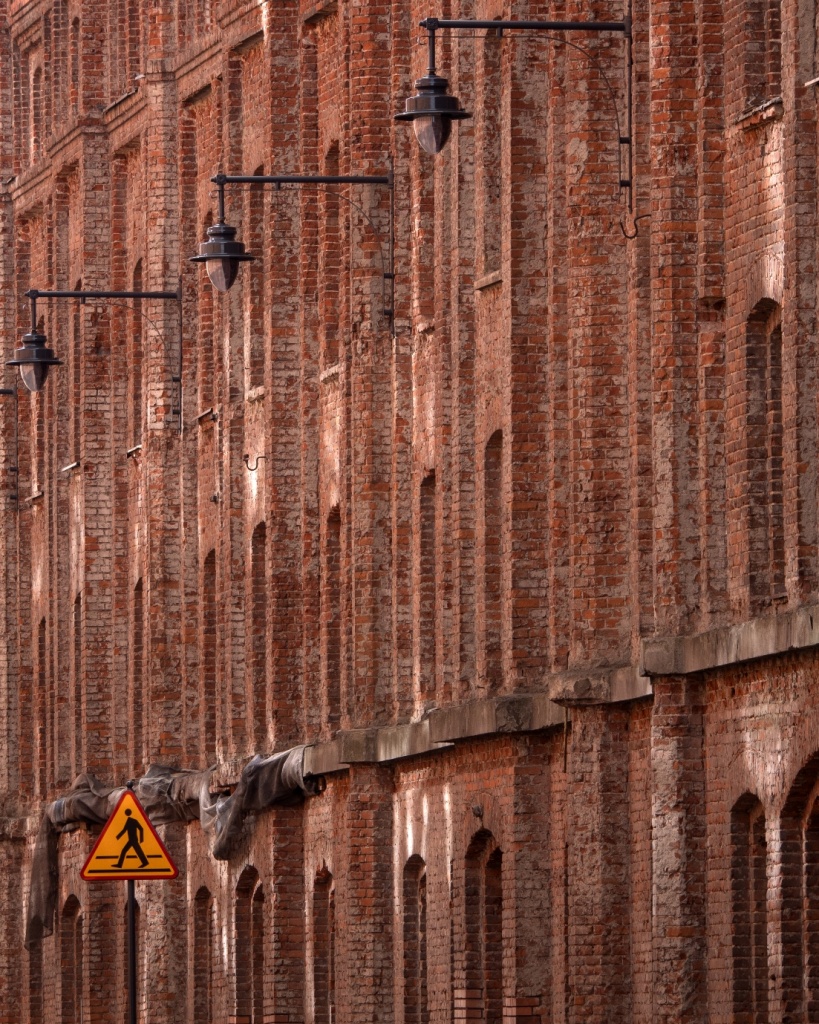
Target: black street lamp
<point>222,254</point>
<point>34,358</point>
<point>432,110</point>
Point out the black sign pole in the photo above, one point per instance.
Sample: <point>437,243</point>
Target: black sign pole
<point>132,965</point>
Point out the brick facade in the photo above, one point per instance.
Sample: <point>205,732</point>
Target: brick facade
<point>533,569</point>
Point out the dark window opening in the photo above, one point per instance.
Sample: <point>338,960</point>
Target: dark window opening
<point>416,1008</point>
<point>324,949</point>
<point>250,952</point>
<point>484,926</point>
<point>750,912</point>
<point>203,957</point>
<point>71,960</point>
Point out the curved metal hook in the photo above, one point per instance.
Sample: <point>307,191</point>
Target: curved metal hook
<point>252,469</point>
<point>626,234</point>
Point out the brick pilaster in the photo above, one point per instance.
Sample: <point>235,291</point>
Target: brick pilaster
<point>678,851</point>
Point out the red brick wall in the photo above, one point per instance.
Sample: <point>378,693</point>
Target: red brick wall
<point>571,439</point>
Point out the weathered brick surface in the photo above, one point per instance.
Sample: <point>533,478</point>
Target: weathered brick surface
<point>570,441</point>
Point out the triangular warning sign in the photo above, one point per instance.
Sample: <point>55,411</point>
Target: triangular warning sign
<point>128,847</point>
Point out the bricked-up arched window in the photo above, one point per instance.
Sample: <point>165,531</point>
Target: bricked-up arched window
<point>257,953</point>
<point>41,715</point>
<point>324,941</point>
<point>416,1005</point>
<point>136,368</point>
<point>798,854</point>
<point>763,51</point>
<point>426,589</point>
<point>250,951</point>
<point>330,262</point>
<point>331,617</point>
<point>136,19</point>
<point>35,984</point>
<point>493,548</point>
<point>204,13</point>
<point>40,434</point>
<point>811,906</point>
<point>76,685</point>
<point>764,453</point>
<point>488,157</point>
<point>74,69</point>
<point>750,911</point>
<point>206,361</point>
<point>37,114</point>
<point>254,282</point>
<point>71,961</point>
<point>258,638</point>
<point>137,676</point>
<point>484,925</point>
<point>203,957</point>
<point>208,606</point>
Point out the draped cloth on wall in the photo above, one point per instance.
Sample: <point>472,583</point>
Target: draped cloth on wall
<point>168,795</point>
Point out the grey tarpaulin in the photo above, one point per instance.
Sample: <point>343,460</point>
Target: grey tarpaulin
<point>167,794</point>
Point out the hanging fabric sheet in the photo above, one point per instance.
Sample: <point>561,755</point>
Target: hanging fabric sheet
<point>167,795</point>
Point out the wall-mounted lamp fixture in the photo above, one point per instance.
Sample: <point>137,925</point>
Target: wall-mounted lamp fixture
<point>35,359</point>
<point>222,254</point>
<point>432,111</point>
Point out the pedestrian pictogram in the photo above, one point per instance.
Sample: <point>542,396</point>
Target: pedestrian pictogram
<point>129,847</point>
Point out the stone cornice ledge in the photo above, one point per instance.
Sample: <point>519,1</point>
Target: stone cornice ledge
<point>496,715</point>
<point>729,645</point>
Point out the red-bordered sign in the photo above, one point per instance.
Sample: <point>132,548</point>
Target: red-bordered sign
<point>128,847</point>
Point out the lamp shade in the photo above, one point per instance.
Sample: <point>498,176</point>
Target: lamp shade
<point>432,112</point>
<point>34,360</point>
<point>222,254</point>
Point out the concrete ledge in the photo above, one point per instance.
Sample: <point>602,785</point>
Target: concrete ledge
<point>523,713</point>
<point>602,686</point>
<point>323,758</point>
<point>730,645</point>
<point>480,718</point>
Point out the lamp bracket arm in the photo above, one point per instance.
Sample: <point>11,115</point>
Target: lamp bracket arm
<point>302,179</point>
<point>435,24</point>
<point>35,294</point>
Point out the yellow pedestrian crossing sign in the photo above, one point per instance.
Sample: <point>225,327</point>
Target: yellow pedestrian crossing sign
<point>128,848</point>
